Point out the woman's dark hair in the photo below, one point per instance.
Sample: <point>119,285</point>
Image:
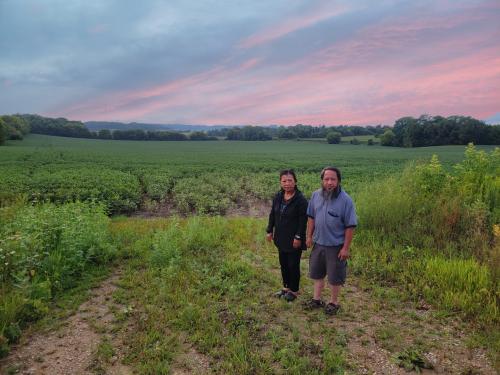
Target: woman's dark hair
<point>334,169</point>
<point>285,172</point>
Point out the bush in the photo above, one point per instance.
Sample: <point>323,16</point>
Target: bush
<point>333,137</point>
<point>3,132</point>
<point>44,250</point>
<point>387,139</point>
<point>428,208</point>
<point>434,233</point>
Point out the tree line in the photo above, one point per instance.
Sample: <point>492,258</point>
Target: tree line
<point>16,126</point>
<point>264,133</point>
<point>437,131</point>
<point>407,131</point>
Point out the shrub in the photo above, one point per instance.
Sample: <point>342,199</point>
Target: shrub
<point>355,141</point>
<point>333,137</point>
<point>387,139</point>
<point>45,249</point>
<point>434,233</point>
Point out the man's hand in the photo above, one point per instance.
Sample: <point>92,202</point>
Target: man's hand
<point>269,237</point>
<point>296,243</point>
<point>344,253</point>
<point>309,242</point>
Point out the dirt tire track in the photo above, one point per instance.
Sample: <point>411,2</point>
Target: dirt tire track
<point>71,349</point>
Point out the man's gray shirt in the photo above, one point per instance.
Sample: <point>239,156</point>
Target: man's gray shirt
<point>331,217</point>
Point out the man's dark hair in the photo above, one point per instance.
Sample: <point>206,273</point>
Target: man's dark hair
<point>285,172</point>
<point>334,169</point>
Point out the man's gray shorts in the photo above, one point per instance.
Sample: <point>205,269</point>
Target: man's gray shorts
<point>324,261</point>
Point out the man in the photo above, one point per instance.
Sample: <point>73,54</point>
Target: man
<point>330,228</point>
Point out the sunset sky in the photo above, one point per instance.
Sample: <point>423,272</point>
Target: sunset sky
<point>250,62</point>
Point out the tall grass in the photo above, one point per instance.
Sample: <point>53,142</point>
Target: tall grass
<point>433,232</point>
<point>44,250</point>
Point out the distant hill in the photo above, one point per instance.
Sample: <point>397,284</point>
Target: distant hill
<point>98,125</point>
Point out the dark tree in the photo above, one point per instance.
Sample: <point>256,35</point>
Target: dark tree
<point>333,137</point>
<point>104,134</point>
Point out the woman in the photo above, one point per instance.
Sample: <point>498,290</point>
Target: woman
<point>287,227</point>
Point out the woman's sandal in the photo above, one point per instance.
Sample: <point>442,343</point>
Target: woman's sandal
<point>289,297</point>
<point>281,293</point>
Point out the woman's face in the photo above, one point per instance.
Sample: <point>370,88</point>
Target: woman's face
<point>287,183</point>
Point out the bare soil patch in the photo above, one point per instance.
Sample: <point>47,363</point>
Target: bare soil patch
<point>71,349</point>
<point>250,208</point>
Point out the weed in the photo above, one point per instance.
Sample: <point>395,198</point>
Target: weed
<point>412,359</point>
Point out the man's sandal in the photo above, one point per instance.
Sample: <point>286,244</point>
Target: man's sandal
<point>314,304</point>
<point>332,309</point>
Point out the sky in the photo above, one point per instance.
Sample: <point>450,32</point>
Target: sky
<point>218,62</point>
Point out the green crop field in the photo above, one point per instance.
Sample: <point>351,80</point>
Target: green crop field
<point>195,290</point>
<point>127,175</point>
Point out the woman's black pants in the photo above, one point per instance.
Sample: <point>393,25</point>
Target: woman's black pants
<point>290,269</point>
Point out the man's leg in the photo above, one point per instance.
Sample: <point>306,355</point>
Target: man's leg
<point>336,270</point>
<point>318,288</point>
<point>335,291</point>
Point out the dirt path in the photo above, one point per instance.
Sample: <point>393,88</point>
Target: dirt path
<point>84,343</point>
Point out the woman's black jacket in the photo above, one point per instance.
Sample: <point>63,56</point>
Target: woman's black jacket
<point>288,222</point>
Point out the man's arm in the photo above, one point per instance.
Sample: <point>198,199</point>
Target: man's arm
<point>344,252</point>
<point>310,231</point>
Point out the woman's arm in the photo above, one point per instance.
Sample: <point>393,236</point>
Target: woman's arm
<point>270,224</point>
<point>300,232</point>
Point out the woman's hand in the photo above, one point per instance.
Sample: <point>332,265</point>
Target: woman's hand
<point>269,237</point>
<point>296,243</point>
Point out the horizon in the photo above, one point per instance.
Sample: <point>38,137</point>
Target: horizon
<point>259,63</point>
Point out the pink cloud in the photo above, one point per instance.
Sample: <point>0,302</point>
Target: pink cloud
<point>290,25</point>
<point>385,72</point>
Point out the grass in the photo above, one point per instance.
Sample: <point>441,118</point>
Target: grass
<point>205,286</point>
<point>208,283</point>
<point>427,235</point>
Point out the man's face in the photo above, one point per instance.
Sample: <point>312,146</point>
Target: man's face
<point>330,181</point>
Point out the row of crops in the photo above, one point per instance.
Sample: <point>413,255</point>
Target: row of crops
<point>204,179</point>
<point>121,191</point>
<point>208,178</point>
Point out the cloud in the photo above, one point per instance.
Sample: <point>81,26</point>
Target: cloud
<point>297,22</point>
<point>257,62</point>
